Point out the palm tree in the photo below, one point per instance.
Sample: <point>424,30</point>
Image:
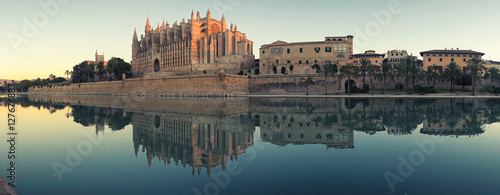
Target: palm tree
<point>451,73</point>
<point>308,81</point>
<point>67,74</point>
<point>349,71</point>
<point>476,66</point>
<point>329,70</point>
<point>372,71</point>
<point>494,74</point>
<point>386,72</point>
<point>400,73</point>
<point>364,67</point>
<point>408,62</point>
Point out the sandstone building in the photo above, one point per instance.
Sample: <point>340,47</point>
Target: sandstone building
<point>375,58</point>
<point>199,44</point>
<point>298,58</point>
<point>446,56</point>
<point>396,56</point>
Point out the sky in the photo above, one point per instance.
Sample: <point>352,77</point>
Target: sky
<point>43,37</point>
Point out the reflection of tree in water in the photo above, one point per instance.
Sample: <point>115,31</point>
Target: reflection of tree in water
<point>52,107</point>
<point>90,115</point>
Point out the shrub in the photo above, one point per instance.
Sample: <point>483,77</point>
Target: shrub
<point>399,86</point>
<point>420,89</point>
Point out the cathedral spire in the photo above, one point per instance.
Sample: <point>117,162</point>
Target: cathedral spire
<point>148,26</point>
<point>135,36</point>
<point>183,20</point>
<point>223,21</point>
<point>235,28</point>
<point>192,15</point>
<point>158,28</point>
<point>209,15</point>
<point>198,15</point>
<point>163,27</point>
<point>175,24</point>
<point>232,27</point>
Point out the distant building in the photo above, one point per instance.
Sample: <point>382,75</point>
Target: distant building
<point>446,56</point>
<point>493,64</point>
<point>98,58</point>
<point>298,58</point>
<point>395,57</point>
<point>196,45</point>
<point>375,58</point>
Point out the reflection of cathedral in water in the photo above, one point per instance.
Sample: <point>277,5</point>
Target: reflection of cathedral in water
<point>306,129</point>
<point>197,141</point>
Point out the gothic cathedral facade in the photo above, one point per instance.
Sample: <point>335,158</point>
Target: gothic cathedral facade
<point>201,44</point>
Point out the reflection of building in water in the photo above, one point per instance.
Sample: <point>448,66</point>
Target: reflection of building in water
<point>462,126</point>
<point>305,129</point>
<point>194,141</point>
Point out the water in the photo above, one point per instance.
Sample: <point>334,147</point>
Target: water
<point>105,145</point>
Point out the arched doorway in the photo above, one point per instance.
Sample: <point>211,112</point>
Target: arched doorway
<point>157,66</point>
<point>350,82</point>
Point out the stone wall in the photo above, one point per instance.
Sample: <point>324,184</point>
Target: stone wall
<point>201,85</point>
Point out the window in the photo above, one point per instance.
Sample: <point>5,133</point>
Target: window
<point>470,56</point>
<point>428,55</point>
<point>315,61</point>
<point>317,49</point>
<point>392,54</point>
<point>300,50</point>
<point>336,49</point>
<point>280,50</point>
<point>452,59</point>
<point>453,55</point>
<point>288,50</point>
<point>345,48</point>
<point>263,64</point>
<point>272,50</point>
<point>263,51</point>
<point>440,59</point>
<point>376,61</point>
<point>277,61</point>
<point>434,55</point>
<point>289,135</point>
<point>307,61</point>
<point>429,59</point>
<point>397,54</point>
<point>301,135</point>
<point>465,60</point>
<point>446,55</point>
<point>288,62</point>
<point>300,61</point>
<point>328,49</point>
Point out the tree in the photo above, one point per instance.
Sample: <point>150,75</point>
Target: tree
<point>349,71</point>
<point>475,66</point>
<point>494,74</point>
<point>118,67</point>
<point>365,62</point>
<point>464,80</point>
<point>309,81</point>
<point>326,70</point>
<point>411,70</point>
<point>372,71</point>
<point>451,73</point>
<point>67,74</point>
<point>436,73</point>
<point>385,73</point>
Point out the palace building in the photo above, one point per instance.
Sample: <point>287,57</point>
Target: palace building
<point>199,44</point>
<point>375,58</point>
<point>298,58</point>
<point>446,56</point>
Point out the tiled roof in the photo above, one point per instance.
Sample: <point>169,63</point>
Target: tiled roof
<point>437,51</point>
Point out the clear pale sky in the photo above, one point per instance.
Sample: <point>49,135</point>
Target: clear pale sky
<point>73,32</point>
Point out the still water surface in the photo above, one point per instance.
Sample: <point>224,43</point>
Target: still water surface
<point>107,145</point>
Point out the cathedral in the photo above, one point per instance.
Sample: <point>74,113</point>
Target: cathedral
<point>200,44</point>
